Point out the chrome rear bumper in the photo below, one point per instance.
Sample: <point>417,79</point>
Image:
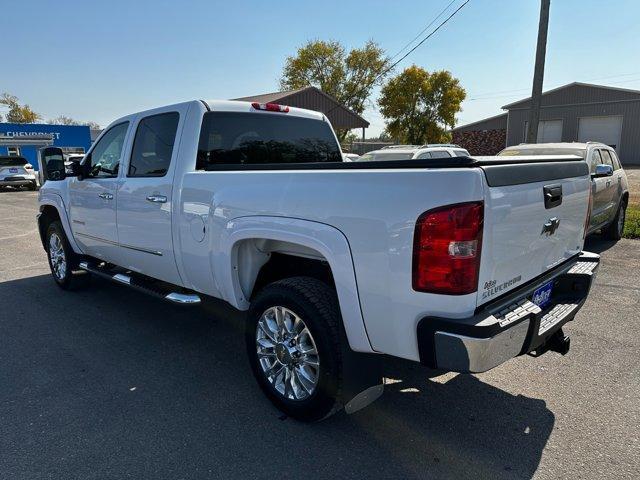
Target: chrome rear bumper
<point>509,326</point>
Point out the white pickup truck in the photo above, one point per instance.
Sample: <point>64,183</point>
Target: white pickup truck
<point>458,263</point>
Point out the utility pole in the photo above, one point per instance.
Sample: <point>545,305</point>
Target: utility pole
<point>538,73</point>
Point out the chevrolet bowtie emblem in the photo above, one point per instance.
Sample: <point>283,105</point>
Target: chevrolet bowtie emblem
<point>550,227</point>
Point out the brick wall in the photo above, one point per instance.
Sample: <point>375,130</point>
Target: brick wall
<point>481,142</point>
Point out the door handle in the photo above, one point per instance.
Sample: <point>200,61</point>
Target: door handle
<point>106,196</point>
<point>157,199</point>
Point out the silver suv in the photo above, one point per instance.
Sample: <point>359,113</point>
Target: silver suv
<point>609,190</point>
<point>17,172</point>
<point>415,152</point>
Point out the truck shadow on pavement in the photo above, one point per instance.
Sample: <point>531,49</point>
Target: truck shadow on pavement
<point>109,383</point>
<point>596,243</point>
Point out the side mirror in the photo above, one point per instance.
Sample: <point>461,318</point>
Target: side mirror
<point>81,168</point>
<point>603,170</point>
<point>55,170</point>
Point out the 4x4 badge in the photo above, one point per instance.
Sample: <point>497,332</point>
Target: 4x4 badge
<point>550,227</point>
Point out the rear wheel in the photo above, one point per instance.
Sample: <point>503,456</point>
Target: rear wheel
<point>62,258</point>
<point>33,186</point>
<point>293,343</point>
<point>615,229</point>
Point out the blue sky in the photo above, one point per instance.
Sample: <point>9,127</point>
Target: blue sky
<point>100,60</point>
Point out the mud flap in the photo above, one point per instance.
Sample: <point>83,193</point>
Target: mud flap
<point>362,376</point>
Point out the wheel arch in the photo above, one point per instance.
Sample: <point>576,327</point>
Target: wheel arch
<point>249,244</point>
<point>51,209</point>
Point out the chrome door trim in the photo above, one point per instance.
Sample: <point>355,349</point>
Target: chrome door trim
<point>130,247</point>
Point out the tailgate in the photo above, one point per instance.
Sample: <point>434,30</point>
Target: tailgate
<point>524,236</point>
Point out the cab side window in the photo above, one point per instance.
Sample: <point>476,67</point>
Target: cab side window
<point>106,155</point>
<point>606,157</point>
<point>596,159</point>
<point>153,145</point>
<point>616,161</point>
<point>424,155</point>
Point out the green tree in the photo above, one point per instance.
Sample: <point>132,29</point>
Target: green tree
<point>347,77</point>
<point>18,113</point>
<point>420,107</point>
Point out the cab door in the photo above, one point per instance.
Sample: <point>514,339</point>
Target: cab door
<point>145,197</point>
<point>93,196</point>
<point>611,186</point>
<point>599,192</point>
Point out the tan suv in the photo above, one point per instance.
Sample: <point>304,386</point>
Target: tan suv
<point>610,189</point>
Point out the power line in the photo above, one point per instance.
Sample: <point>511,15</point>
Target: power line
<point>498,94</point>
<point>421,41</point>
<point>423,30</point>
<point>381,74</point>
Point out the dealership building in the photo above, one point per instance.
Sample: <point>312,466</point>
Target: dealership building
<point>71,138</point>
<point>577,112</point>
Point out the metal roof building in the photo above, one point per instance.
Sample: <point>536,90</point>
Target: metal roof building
<point>577,112</point>
<point>313,98</point>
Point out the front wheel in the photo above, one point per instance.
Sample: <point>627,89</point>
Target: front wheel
<point>293,342</point>
<point>62,259</point>
<point>615,230</point>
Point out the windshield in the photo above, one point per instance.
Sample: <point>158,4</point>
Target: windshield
<point>388,155</point>
<point>542,151</point>
<point>12,161</point>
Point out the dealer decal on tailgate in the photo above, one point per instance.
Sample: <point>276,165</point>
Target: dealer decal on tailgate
<point>491,289</point>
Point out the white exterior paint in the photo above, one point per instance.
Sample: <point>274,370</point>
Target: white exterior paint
<point>217,228</point>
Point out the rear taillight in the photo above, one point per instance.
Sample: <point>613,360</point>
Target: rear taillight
<point>28,166</point>
<point>270,107</point>
<point>446,249</point>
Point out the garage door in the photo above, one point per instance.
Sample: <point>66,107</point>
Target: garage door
<point>600,129</point>
<point>549,131</point>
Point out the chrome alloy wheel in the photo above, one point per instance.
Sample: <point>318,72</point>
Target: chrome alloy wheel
<point>287,353</point>
<point>57,257</point>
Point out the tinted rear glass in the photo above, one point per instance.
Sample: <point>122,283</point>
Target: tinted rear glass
<point>12,161</point>
<point>542,151</point>
<point>238,138</point>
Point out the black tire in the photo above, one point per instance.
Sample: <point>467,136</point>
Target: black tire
<point>615,229</point>
<point>64,276</point>
<point>317,305</point>
<point>33,186</point>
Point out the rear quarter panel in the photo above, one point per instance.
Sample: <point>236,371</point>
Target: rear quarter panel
<point>375,210</point>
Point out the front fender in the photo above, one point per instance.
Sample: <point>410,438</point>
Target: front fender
<point>56,201</point>
<point>328,241</point>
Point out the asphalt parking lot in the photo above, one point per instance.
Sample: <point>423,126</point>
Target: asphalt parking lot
<point>109,383</point>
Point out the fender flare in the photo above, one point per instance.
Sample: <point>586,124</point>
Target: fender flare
<point>328,241</point>
<point>56,201</point>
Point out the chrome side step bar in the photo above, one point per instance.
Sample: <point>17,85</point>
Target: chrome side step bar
<point>123,278</point>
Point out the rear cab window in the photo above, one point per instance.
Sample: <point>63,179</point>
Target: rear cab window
<point>241,138</point>
<point>440,154</point>
<point>387,155</point>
